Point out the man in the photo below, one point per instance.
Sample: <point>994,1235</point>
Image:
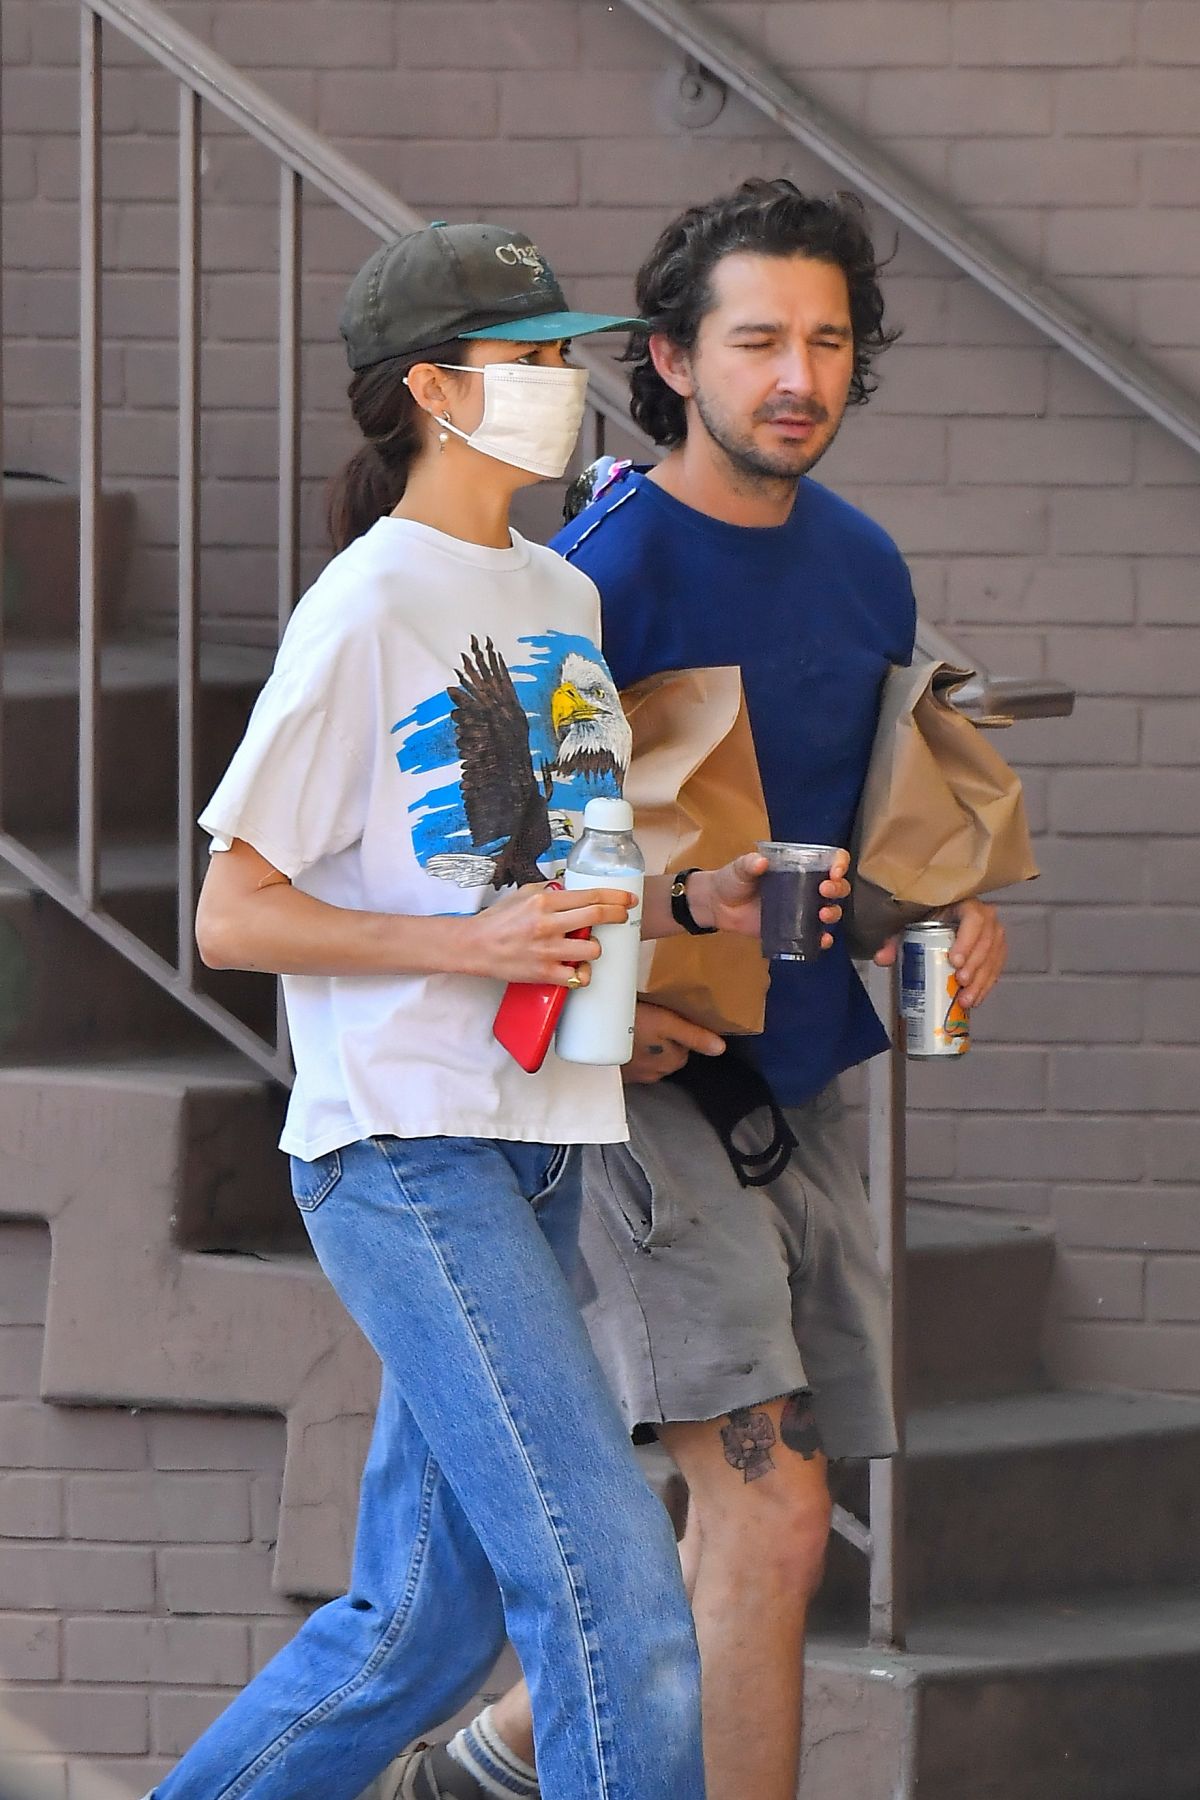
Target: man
<point>743,1325</point>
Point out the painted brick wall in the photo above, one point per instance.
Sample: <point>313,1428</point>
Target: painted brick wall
<point>1049,528</point>
<point>135,1567</point>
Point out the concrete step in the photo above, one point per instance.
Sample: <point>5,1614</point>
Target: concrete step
<point>1038,1493</point>
<point>1041,1493</point>
<point>116,1156</point>
<point>976,1302</point>
<point>41,557</point>
<point>63,989</point>
<point>1089,1697</point>
<point>137,730</point>
<point>232,1191</point>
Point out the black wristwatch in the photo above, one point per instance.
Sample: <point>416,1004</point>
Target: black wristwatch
<point>681,912</point>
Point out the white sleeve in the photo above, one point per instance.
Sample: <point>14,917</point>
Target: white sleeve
<point>295,790</point>
<point>597,612</point>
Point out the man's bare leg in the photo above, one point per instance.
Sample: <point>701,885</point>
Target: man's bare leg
<point>512,1716</point>
<point>753,1555</point>
<point>760,1506</point>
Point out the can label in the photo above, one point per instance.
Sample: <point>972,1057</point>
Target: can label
<point>935,1021</point>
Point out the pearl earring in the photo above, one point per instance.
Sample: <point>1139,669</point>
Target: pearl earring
<point>444,436</point>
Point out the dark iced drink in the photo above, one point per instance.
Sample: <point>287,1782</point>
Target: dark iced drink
<point>792,900</point>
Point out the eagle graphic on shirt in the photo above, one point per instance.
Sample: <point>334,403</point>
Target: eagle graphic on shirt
<point>532,743</point>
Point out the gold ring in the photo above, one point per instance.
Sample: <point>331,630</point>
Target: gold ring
<point>574,981</point>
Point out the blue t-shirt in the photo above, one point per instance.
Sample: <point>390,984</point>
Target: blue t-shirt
<point>813,612</point>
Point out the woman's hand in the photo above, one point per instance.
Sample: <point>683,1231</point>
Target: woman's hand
<point>527,935</point>
<point>729,899</point>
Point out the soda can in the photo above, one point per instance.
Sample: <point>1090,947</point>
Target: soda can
<point>935,1021</point>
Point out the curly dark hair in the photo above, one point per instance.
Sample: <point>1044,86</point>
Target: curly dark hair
<point>769,218</point>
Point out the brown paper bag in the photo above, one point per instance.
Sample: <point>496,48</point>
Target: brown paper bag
<point>698,801</point>
<point>942,816</point>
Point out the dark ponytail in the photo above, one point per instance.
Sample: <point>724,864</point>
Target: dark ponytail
<point>393,425</point>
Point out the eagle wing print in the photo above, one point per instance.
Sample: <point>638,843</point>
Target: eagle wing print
<point>503,800</point>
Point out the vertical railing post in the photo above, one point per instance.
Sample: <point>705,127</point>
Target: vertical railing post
<point>290,275</point>
<point>189,521</point>
<point>4,595</point>
<point>290,339</point>
<point>90,418</point>
<point>886,1165</point>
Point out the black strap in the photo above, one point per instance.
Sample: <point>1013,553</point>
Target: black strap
<point>728,1090</point>
<point>681,911</point>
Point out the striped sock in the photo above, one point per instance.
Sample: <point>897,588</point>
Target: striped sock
<point>499,1771</point>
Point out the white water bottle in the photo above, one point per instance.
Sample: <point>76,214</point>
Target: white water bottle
<point>597,1020</point>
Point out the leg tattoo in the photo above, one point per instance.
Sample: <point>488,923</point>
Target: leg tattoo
<point>798,1425</point>
<point>748,1438</point>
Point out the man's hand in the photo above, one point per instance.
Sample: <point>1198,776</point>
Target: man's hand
<point>729,899</point>
<point>662,1041</point>
<point>979,950</point>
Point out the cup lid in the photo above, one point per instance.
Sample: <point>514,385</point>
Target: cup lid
<point>797,856</point>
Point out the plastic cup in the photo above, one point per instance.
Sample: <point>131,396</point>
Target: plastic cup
<point>792,899</point>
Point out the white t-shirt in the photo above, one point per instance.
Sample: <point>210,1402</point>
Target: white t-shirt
<point>437,718</point>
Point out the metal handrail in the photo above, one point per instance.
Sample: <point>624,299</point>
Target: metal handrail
<point>202,77</point>
<point>998,698</point>
<point>925,212</point>
<point>207,74</point>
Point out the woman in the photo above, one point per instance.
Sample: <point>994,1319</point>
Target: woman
<point>437,717</point>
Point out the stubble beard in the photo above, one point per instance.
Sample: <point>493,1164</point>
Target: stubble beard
<point>754,470</point>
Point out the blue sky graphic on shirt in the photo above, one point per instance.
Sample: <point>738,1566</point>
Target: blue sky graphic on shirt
<point>512,753</point>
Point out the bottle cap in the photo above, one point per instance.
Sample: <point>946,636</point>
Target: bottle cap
<point>606,814</point>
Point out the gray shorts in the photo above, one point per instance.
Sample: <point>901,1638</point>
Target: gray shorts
<point>702,1296</point>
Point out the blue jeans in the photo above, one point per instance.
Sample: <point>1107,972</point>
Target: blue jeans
<point>500,1494</point>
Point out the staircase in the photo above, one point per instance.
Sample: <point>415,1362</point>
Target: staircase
<point>137,789</point>
<point>146,1144</point>
<point>1053,1548</point>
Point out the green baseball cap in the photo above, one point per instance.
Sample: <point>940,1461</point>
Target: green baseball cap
<point>458,281</point>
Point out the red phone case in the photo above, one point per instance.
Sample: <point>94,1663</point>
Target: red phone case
<point>525,1021</point>
<point>527,1015</point>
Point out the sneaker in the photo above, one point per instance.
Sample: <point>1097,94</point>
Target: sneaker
<point>426,1773</point>
<point>406,1778</point>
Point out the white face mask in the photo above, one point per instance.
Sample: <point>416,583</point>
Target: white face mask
<point>531,416</point>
